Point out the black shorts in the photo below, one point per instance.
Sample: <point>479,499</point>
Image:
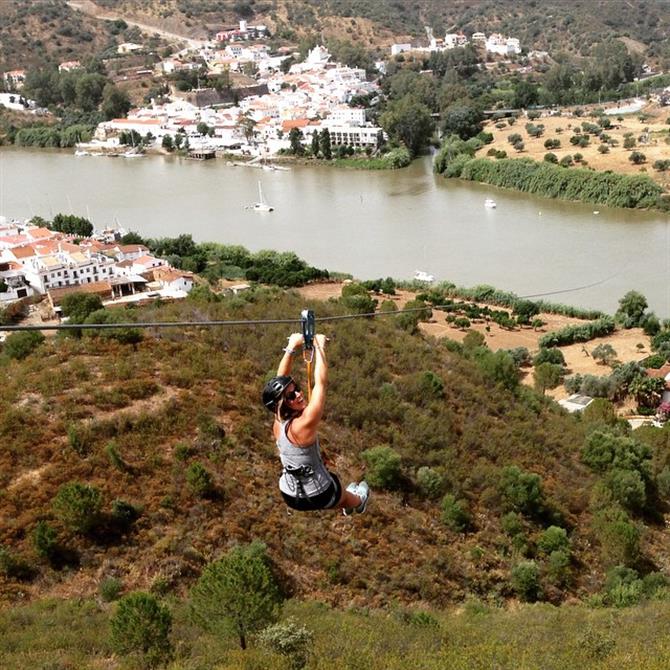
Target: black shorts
<point>325,500</point>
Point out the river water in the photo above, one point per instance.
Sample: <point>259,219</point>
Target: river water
<point>369,223</point>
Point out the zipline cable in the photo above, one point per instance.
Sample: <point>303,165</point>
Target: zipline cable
<point>198,324</point>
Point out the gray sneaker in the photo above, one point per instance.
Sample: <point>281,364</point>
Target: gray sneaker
<point>362,491</point>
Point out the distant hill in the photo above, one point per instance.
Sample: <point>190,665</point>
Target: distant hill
<point>33,32</point>
<point>557,25</point>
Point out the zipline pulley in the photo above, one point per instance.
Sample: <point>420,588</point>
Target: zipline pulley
<point>308,323</point>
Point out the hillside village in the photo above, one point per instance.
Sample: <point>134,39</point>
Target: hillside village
<point>42,263</point>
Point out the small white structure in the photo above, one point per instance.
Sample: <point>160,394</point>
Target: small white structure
<point>128,48</point>
<point>69,65</point>
<point>400,48</point>
<point>453,40</point>
<point>576,402</point>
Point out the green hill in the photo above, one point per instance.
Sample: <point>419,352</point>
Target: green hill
<point>485,465</point>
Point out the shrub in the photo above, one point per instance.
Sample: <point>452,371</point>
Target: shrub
<point>550,158</point>
<point>45,540</point>
<point>13,566</point>
<point>429,481</point>
<point>22,344</point>
<point>110,589</point>
<point>454,513</point>
<point>141,625</point>
<point>124,513</point>
<point>289,639</point>
<point>558,567</point>
<point>115,458</point>
<point>512,524</point>
<point>553,538</point>
<point>80,438</point>
<point>619,537</point>
<point>78,506</point>
<point>199,480</point>
<point>549,355</point>
<point>525,580</point>
<point>627,488</point>
<point>522,491</point>
<point>623,587</point>
<point>384,467</point>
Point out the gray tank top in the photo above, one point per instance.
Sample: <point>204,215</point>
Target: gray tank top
<point>304,475</point>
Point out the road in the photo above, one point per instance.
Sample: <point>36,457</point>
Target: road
<point>90,8</point>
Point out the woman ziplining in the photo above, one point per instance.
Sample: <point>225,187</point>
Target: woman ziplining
<point>306,484</point>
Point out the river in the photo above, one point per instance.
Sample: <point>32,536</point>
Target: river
<point>369,223</point>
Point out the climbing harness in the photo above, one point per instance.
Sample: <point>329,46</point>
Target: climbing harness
<point>308,324</point>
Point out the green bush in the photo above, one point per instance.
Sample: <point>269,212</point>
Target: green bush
<point>558,567</point>
<point>525,579</point>
<point>110,588</point>
<point>455,514</point>
<point>552,539</point>
<point>200,481</point>
<point>22,344</point>
<point>627,488</point>
<point>549,355</point>
<point>45,540</point>
<point>383,467</point>
<point>522,491</point>
<point>429,481</point>
<point>619,537</point>
<point>141,625</point>
<point>78,506</point>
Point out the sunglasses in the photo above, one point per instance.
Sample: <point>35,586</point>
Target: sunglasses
<point>292,395</point>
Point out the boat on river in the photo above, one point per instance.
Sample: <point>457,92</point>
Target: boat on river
<point>420,275</point>
<point>261,205</point>
<point>490,203</point>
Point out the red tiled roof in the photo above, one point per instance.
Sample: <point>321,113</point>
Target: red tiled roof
<point>23,252</point>
<point>294,123</point>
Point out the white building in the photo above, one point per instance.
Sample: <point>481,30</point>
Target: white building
<point>453,40</point>
<point>128,48</point>
<point>502,46</point>
<point>361,137</point>
<point>344,115</point>
<point>400,48</point>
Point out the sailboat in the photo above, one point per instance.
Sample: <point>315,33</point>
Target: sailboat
<point>261,205</point>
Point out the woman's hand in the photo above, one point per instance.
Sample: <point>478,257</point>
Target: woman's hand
<point>295,341</point>
<point>320,340</point>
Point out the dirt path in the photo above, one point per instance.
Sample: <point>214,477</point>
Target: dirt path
<point>90,8</point>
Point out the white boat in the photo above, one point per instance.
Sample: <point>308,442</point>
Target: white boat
<point>261,205</point>
<point>420,275</point>
<point>491,204</point>
<point>80,152</point>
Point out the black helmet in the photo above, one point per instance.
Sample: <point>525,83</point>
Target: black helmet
<point>274,390</point>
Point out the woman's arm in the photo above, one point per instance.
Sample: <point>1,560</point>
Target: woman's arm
<point>295,341</point>
<point>307,423</point>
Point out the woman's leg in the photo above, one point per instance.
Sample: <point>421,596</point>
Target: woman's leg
<point>348,499</point>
